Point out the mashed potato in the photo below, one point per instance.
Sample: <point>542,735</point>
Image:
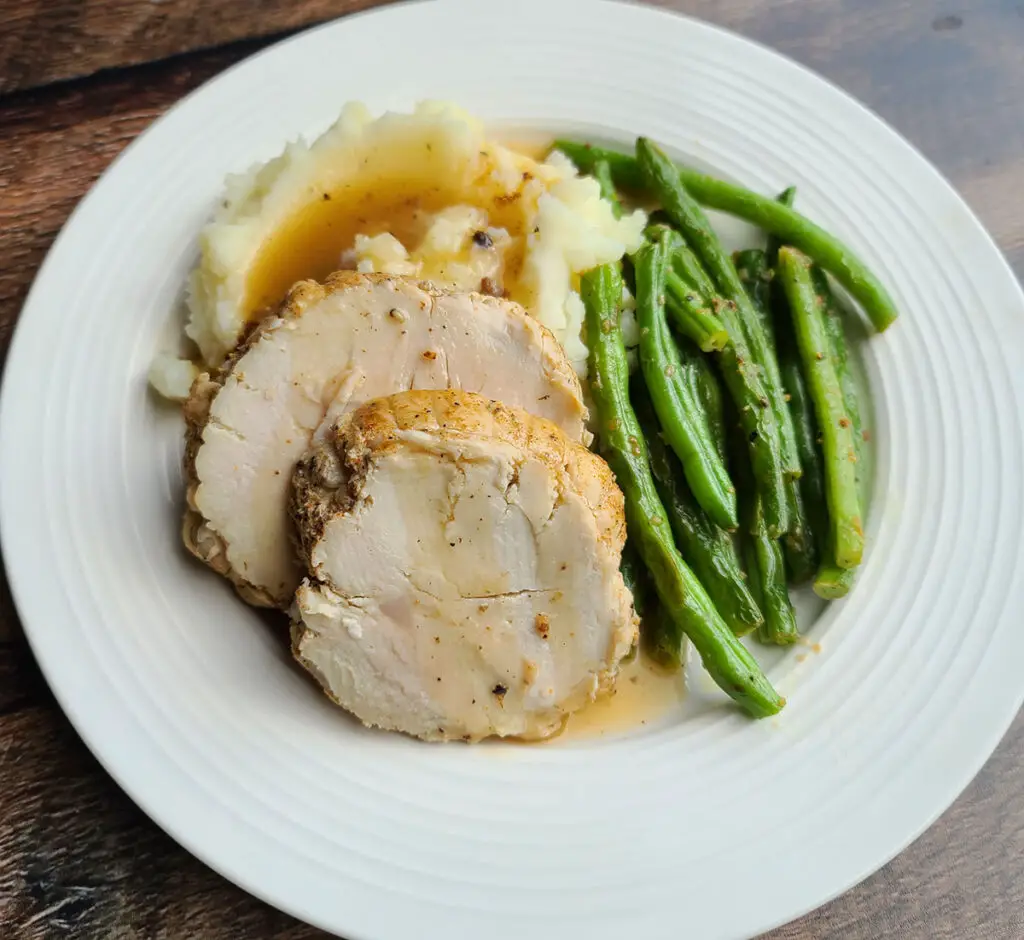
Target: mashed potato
<point>458,248</point>
<point>568,229</point>
<point>423,194</point>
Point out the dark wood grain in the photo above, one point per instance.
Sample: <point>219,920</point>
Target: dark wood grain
<point>43,41</point>
<point>57,141</point>
<point>946,75</point>
<point>77,859</point>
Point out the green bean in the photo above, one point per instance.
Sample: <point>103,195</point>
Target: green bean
<point>655,217</point>
<point>840,353</point>
<point>691,613</point>
<point>677,406</point>
<point>779,625</point>
<point>771,250</point>
<point>710,394</point>
<point>658,625</point>
<point>758,280</point>
<point>635,576</point>
<point>686,269</point>
<point>691,312</point>
<point>771,253</point>
<point>803,552</point>
<point>655,231</point>
<point>750,564</point>
<point>752,267</point>
<point>638,581</point>
<point>692,316</point>
<point>803,556</point>
<point>739,369</point>
<point>833,582</point>
<point>603,174</point>
<point>747,392</point>
<point>706,548</point>
<point>788,226</point>
<point>756,322</point>
<point>756,276</point>
<point>766,569</point>
<point>846,533</point>
<point>686,265</point>
<point>697,375</point>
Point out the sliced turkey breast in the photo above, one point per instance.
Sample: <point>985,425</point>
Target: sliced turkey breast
<point>464,568</point>
<point>331,348</point>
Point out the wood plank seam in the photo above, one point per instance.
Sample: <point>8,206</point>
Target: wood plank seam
<point>43,42</point>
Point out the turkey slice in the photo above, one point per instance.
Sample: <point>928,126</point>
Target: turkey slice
<point>464,568</point>
<point>331,348</point>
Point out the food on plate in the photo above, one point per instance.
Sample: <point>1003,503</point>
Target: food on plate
<point>846,535</point>
<point>706,547</point>
<point>426,195</point>
<point>771,448</point>
<point>767,576</point>
<point>692,316</point>
<point>743,380</point>
<point>171,377</point>
<point>637,579</point>
<point>329,349</point>
<point>388,436</point>
<point>691,612</point>
<point>802,553</point>
<point>675,396</point>
<point>774,217</point>
<point>785,362</point>
<point>756,276</point>
<point>689,310</point>
<point>833,581</point>
<point>464,568</point>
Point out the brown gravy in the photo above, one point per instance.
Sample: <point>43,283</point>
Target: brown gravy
<point>311,242</point>
<point>644,693</point>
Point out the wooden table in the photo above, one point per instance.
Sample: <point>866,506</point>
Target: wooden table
<point>78,80</point>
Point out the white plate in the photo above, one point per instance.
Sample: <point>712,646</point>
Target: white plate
<point>715,826</point>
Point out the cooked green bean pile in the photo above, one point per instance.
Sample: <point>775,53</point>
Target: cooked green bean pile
<point>738,443</point>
